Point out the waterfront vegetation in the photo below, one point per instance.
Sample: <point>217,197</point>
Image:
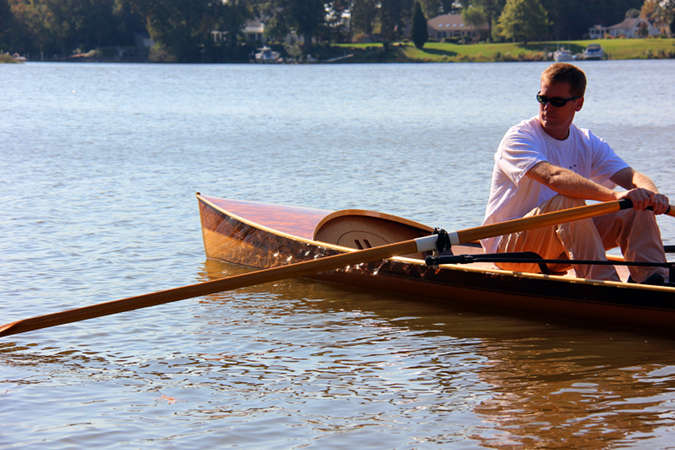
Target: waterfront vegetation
<point>495,52</point>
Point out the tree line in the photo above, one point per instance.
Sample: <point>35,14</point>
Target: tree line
<point>182,29</point>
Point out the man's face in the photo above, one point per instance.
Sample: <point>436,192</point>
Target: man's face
<point>556,120</point>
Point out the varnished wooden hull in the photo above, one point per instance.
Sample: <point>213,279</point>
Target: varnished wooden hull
<point>261,235</point>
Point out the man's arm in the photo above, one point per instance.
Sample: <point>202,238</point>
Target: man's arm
<point>640,188</point>
<point>569,183</point>
<point>630,179</point>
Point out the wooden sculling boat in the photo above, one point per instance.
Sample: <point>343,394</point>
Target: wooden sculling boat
<point>262,235</point>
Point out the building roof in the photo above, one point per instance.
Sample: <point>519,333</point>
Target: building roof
<point>254,26</point>
<point>449,22</point>
<point>627,24</point>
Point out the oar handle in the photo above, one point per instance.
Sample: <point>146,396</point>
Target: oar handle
<point>669,212</point>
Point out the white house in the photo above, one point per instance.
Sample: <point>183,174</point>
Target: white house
<point>597,32</point>
<point>254,30</point>
<point>629,28</point>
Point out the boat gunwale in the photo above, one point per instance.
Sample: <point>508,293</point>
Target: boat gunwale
<point>274,231</point>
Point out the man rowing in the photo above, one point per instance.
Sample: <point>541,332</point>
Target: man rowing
<point>547,163</point>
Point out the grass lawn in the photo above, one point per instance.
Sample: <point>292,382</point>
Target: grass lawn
<point>533,51</point>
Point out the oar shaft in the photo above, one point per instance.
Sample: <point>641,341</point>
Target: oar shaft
<point>223,284</point>
<point>552,218</point>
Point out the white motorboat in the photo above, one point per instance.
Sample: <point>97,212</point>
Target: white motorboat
<point>562,54</point>
<point>593,52</point>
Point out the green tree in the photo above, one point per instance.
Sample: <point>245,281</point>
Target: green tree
<point>571,19</point>
<point>364,13</point>
<point>666,15</point>
<point>394,14</point>
<point>337,28</point>
<point>98,24</point>
<point>420,33</point>
<point>491,9</point>
<point>84,24</point>
<point>181,30</point>
<point>129,22</point>
<point>277,22</point>
<point>474,16</point>
<point>431,8</point>
<point>307,16</point>
<point>447,6</point>
<point>648,9</point>
<point>390,15</point>
<point>231,18</point>
<point>661,13</point>
<point>568,19</point>
<point>35,19</point>
<point>6,26</point>
<point>523,20</point>
<point>304,17</point>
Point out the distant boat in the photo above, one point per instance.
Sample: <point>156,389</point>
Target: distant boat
<point>267,55</point>
<point>562,54</point>
<point>593,52</point>
<point>18,58</point>
<point>339,58</point>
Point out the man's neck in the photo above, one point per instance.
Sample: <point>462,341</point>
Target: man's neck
<point>558,134</point>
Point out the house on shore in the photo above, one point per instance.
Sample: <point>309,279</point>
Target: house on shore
<point>254,30</point>
<point>629,28</point>
<point>452,26</point>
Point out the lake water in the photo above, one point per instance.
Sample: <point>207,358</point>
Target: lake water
<point>98,169</point>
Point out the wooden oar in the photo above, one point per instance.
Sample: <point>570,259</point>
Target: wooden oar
<point>422,244</point>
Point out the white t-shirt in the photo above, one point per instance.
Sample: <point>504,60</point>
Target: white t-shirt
<point>513,195</point>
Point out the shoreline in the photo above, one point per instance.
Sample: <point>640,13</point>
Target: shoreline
<point>437,52</point>
<point>615,49</point>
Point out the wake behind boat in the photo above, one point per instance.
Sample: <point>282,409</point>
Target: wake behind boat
<point>262,235</point>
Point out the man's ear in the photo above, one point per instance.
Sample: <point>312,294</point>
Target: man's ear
<point>580,103</point>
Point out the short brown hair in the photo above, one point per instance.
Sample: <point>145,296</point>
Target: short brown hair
<point>566,73</point>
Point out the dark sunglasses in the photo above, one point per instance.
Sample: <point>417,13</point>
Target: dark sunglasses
<point>555,101</point>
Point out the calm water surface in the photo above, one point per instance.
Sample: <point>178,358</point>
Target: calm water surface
<point>98,169</point>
